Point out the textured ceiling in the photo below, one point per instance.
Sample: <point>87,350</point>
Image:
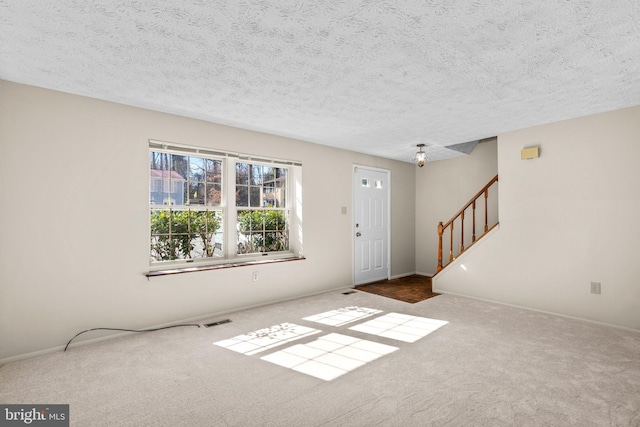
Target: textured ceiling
<point>375,76</point>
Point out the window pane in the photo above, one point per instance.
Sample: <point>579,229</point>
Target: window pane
<point>196,169</point>
<point>156,194</point>
<point>281,198</point>
<point>196,247</point>
<point>258,220</point>
<point>214,195</point>
<point>218,245</point>
<point>205,226</point>
<point>179,222</point>
<point>244,221</point>
<point>282,241</point>
<point>242,173</point>
<point>244,232</point>
<point>159,221</point>
<point>281,177</point>
<point>180,164</point>
<point>256,174</point>
<point>257,240</point>
<point>158,161</point>
<point>159,178</point>
<point>196,193</point>
<point>268,174</point>
<point>283,221</point>
<point>213,170</point>
<point>181,196</point>
<point>242,195</point>
<point>268,197</point>
<point>254,197</point>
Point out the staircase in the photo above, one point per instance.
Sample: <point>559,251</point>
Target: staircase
<point>457,226</point>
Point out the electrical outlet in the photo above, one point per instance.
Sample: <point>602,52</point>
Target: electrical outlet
<point>595,288</point>
<point>254,276</point>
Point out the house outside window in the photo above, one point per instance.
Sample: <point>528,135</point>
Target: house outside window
<point>185,207</point>
<point>166,187</point>
<point>214,207</point>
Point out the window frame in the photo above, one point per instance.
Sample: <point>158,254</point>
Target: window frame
<point>261,208</point>
<point>229,210</point>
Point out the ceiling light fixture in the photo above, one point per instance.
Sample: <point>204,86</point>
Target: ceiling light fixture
<point>420,156</point>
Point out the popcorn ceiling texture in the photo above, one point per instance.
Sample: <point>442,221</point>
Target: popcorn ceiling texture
<point>371,76</point>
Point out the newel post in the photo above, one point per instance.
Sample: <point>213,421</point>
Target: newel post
<point>440,231</point>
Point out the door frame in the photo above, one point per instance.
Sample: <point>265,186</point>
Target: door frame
<point>354,168</point>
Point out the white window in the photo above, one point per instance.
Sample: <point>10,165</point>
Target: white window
<point>185,207</point>
<point>212,207</point>
<point>261,208</point>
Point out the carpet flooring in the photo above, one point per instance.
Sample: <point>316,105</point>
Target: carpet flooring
<point>348,360</point>
<point>411,289</point>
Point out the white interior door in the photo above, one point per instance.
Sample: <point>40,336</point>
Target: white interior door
<point>371,224</point>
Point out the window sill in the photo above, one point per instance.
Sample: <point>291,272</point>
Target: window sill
<point>181,270</point>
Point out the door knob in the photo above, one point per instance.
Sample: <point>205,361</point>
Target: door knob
<point>358,234</point>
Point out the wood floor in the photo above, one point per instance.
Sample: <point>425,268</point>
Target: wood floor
<point>409,289</point>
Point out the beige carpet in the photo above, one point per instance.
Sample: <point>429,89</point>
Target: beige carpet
<point>490,365</point>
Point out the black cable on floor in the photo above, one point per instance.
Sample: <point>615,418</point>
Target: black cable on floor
<point>127,330</point>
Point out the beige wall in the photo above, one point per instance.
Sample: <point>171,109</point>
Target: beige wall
<point>566,219</point>
<point>74,220</point>
<point>442,188</point>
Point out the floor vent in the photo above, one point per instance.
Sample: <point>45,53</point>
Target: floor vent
<point>219,322</point>
<point>348,292</point>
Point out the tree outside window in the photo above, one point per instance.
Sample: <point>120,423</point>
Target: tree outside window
<point>185,201</point>
<point>188,208</point>
<point>262,212</point>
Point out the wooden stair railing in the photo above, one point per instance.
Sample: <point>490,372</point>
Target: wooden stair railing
<point>460,214</point>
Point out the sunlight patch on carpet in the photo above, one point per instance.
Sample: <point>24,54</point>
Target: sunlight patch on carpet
<point>329,356</point>
<point>333,355</point>
<point>401,327</point>
<point>266,338</point>
<point>342,316</point>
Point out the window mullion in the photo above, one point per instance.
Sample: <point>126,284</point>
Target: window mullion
<point>230,212</point>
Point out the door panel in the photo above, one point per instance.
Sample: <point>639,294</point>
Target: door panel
<point>371,225</point>
<point>365,258</point>
<point>378,254</point>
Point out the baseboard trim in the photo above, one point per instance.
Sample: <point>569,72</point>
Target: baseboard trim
<point>420,273</point>
<point>399,276</point>
<point>537,310</point>
<point>196,319</point>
